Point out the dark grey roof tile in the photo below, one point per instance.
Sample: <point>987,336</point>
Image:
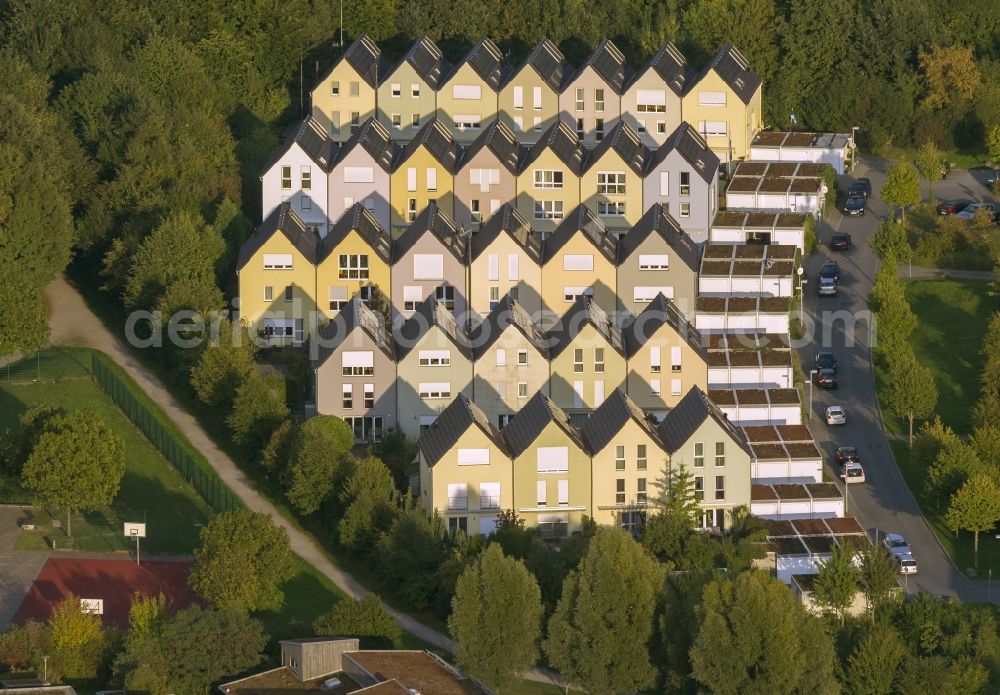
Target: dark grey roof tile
<point>658,221</point>
<point>507,220</point>
<point>359,219</point>
<point>449,427</point>
<point>582,219</point>
<point>534,417</point>
<point>282,220</point>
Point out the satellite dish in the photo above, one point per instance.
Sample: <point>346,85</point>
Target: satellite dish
<point>800,270</point>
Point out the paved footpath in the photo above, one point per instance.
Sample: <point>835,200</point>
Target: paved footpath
<point>17,569</point>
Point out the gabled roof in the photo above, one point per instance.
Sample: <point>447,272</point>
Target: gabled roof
<point>658,312</point>
<point>582,219</point>
<point>312,138</point>
<point>453,422</point>
<point>439,142</point>
<point>282,220</point>
<point>680,424</point>
<point>548,61</point>
<point>562,140</point>
<point>671,67</point>
<point>354,316</point>
<point>360,220</point>
<point>427,60</point>
<point>604,424</point>
<point>692,147</point>
<point>507,220</point>
<point>487,62</point>
<point>375,138</point>
<point>501,141</point>
<point>583,312</point>
<point>625,142</point>
<point>432,219</point>
<point>734,70</point>
<point>506,313</point>
<point>364,57</point>
<point>609,63</point>
<point>528,423</point>
<point>658,221</point>
<point>428,315</point>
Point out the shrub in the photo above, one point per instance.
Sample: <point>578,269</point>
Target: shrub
<point>809,234</point>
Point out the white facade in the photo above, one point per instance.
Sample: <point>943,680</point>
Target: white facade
<point>759,286</point>
<point>750,377</point>
<point>785,202</point>
<point>754,415</point>
<point>798,509</point>
<point>750,322</point>
<point>804,470</point>
<point>295,177</point>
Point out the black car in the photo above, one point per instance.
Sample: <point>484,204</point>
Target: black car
<point>826,360</point>
<point>848,453</point>
<point>953,207</point>
<point>826,378</point>
<point>830,269</point>
<point>841,241</point>
<point>854,206</point>
<point>862,187</point>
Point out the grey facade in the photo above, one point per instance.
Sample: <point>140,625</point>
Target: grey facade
<point>361,172</point>
<point>486,177</point>
<point>590,101</point>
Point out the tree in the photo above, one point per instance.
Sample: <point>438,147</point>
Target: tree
<point>258,409</point>
<point>949,74</point>
<point>836,583</point>
<point>929,163</point>
<point>77,638</point>
<point>496,619</point>
<point>872,666</point>
<point>877,577</point>
<point>911,391</point>
<point>223,365</point>
<point>664,532</point>
<point>318,452</point>
<point>17,442</point>
<point>274,456</point>
<point>890,240</point>
<point>599,635</point>
<point>954,464</point>
<point>398,452</point>
<point>755,637</point>
<point>366,619</point>
<point>371,501</point>
<point>77,464</point>
<point>410,554</point>
<point>901,187</point>
<point>993,143</point>
<point>380,304</point>
<point>243,560</point>
<point>975,507</point>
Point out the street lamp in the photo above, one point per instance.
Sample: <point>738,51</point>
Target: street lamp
<point>854,145</point>
<point>802,293</point>
<point>811,373</point>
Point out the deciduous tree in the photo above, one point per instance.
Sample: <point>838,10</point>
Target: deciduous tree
<point>929,162</point>
<point>77,638</point>
<point>371,504</point>
<point>890,240</point>
<point>974,507</point>
<point>17,442</point>
<point>877,578</point>
<point>950,74</point>
<point>836,584</point>
<point>901,187</point>
<point>225,362</point>
<point>366,619</point>
<point>872,666</point>
<point>911,391</point>
<point>318,453</point>
<point>259,407</point>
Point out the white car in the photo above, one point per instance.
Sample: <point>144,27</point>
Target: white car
<point>970,211</point>
<point>896,544</point>
<point>852,472</point>
<point>907,563</point>
<point>835,415</point>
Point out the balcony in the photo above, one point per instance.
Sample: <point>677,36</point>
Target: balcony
<point>458,503</point>
<point>489,501</point>
<point>553,530</point>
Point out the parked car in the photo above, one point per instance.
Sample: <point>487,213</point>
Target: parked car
<point>846,454</point>
<point>907,564</point>
<point>854,205</point>
<point>953,207</point>
<point>896,544</point>
<point>841,241</point>
<point>862,187</point>
<point>826,288</point>
<point>830,269</point>
<point>826,378</point>
<point>992,179</point>
<point>970,211</point>
<point>835,415</point>
<point>852,472</point>
<point>826,360</point>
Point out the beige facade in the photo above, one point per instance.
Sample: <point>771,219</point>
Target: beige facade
<point>505,260</point>
<point>577,262</point>
<point>407,97</point>
<point>590,102</point>
<point>548,187</point>
<point>344,98</point>
<point>611,184</point>
<point>587,362</point>
<point>467,98</point>
<point>651,103</point>
<point>423,174</point>
<point>529,98</point>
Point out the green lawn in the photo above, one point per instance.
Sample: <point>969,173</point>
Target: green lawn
<point>962,159</point>
<point>150,490</point>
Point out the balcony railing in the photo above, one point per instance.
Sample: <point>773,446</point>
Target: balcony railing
<point>489,501</point>
<point>458,503</point>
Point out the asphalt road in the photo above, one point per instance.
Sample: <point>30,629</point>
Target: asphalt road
<point>884,503</point>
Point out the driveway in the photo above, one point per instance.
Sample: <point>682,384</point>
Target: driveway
<point>884,503</point>
<point>17,569</point>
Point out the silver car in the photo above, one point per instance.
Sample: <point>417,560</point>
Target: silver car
<point>835,415</point>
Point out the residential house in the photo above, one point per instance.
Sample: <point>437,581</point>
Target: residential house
<point>424,173</point>
<point>344,97</point>
<point>658,337</point>
<point>529,95</point>
<point>579,258</point>
<point>486,178</point>
<point>683,175</point>
<point>651,102</point>
<point>724,103</point>
<point>353,259</point>
<point>297,174</point>
<point>467,97</point>
<point>505,258</point>
<point>466,473</point>
<point>611,180</point>
<point>586,357</point>
<point>657,257</point>
<point>590,101</point>
<point>276,271</point>
<point>429,260</point>
<point>361,173</point>
<point>548,185</point>
<point>698,437</point>
<point>510,361</point>
<point>433,365</point>
<point>627,459</point>
<point>355,372</point>
<point>407,93</point>
<point>552,474</point>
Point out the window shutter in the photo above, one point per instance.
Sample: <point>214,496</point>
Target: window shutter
<point>564,492</point>
<point>512,267</point>
<point>542,496</point>
<point>357,358</point>
<point>675,356</point>
<point>654,357</point>
<point>598,393</point>
<point>518,97</point>
<point>473,457</point>
<point>413,294</point>
<point>651,97</point>
<point>428,266</point>
<point>432,179</point>
<point>501,357</point>
<point>467,91</point>
<point>578,262</point>
<point>359,175</point>
<point>664,183</point>
<point>537,97</point>
<point>494,267</point>
<point>411,179</point>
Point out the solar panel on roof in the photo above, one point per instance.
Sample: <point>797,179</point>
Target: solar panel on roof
<point>548,62</point>
<point>609,63</point>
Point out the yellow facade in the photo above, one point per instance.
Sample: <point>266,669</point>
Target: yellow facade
<point>405,203</point>
<point>579,378</point>
<point>341,99</point>
<point>279,295</point>
<point>557,281</point>
<point>527,121</point>
<point>566,196</point>
<point>656,379</point>
<point>621,460</point>
<point>330,274</point>
<point>742,120</point>
<point>450,108</point>
<point>600,190</point>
